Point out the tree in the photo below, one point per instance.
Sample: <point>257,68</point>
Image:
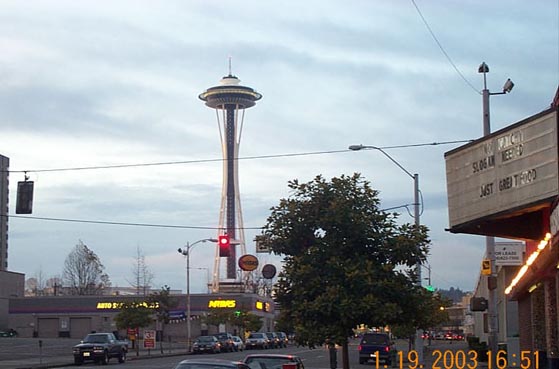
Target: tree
<point>164,303</point>
<point>83,272</point>
<point>142,275</point>
<point>346,262</point>
<point>134,315</point>
<point>246,321</point>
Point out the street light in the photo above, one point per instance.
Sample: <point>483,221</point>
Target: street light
<point>490,240</point>
<point>186,252</point>
<point>415,177</point>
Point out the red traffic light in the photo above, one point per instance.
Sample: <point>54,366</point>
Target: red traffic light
<point>224,245</point>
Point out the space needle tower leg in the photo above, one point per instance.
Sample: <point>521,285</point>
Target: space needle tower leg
<point>230,99</point>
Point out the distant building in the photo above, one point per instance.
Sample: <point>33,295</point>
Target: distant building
<point>4,192</point>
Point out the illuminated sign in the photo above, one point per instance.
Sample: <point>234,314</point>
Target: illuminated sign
<point>119,305</point>
<point>222,304</point>
<point>264,306</point>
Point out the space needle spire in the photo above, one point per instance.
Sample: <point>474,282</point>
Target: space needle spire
<point>230,99</point>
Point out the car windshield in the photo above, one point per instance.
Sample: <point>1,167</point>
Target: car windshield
<point>375,339</point>
<point>267,362</point>
<point>205,339</point>
<point>256,335</point>
<point>96,338</point>
<point>203,366</point>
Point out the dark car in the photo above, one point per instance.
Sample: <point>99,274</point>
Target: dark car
<point>272,361</point>
<point>226,341</point>
<point>283,339</point>
<point>274,339</point>
<point>206,344</point>
<point>373,344</point>
<point>210,364</point>
<point>9,333</point>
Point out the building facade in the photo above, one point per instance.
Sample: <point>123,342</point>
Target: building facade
<point>4,197</point>
<point>75,316</point>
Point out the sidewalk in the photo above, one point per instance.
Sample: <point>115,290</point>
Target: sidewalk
<point>55,359</point>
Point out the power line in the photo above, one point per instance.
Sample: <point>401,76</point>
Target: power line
<point>442,48</point>
<point>120,166</point>
<point>152,225</point>
<point>118,223</point>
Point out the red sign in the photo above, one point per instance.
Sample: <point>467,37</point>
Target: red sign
<point>149,339</point>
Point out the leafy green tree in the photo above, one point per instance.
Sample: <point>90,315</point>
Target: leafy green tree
<point>246,321</point>
<point>346,262</point>
<point>164,303</point>
<point>218,317</point>
<point>133,315</point>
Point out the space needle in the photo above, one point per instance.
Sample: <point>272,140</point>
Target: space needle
<point>230,99</point>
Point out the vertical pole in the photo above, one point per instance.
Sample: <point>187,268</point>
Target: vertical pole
<point>490,243</point>
<point>419,332</point>
<point>188,297</point>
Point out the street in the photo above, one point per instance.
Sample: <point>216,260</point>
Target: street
<point>34,352</point>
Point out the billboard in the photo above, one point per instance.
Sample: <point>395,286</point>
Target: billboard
<point>509,169</point>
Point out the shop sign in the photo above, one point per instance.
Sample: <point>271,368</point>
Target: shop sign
<point>513,168</point>
<point>222,304</point>
<point>263,306</point>
<point>248,262</point>
<point>509,253</point>
<point>119,305</point>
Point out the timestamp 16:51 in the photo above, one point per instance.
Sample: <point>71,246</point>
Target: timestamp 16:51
<point>465,359</point>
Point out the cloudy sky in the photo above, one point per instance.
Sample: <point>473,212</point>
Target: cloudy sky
<point>90,83</point>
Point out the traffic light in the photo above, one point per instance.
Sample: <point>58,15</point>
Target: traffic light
<point>24,201</point>
<point>224,245</point>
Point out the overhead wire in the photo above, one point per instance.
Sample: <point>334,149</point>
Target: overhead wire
<point>443,50</point>
<point>199,161</point>
<point>202,161</point>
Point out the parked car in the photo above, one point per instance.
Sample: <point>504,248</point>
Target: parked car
<point>373,344</point>
<point>9,333</point>
<point>99,348</point>
<point>206,344</point>
<point>238,343</point>
<point>257,340</point>
<point>226,341</point>
<point>274,339</point>
<point>210,364</point>
<point>284,341</point>
<point>272,361</point>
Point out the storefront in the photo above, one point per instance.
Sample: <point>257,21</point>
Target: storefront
<point>75,316</point>
<point>506,185</point>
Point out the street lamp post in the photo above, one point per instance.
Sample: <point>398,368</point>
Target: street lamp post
<point>415,177</point>
<point>186,252</point>
<point>490,240</point>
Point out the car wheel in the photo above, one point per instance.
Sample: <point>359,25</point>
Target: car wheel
<point>78,361</point>
<point>105,359</point>
<point>122,357</point>
<point>361,361</point>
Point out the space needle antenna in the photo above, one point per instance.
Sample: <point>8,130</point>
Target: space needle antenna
<point>230,65</point>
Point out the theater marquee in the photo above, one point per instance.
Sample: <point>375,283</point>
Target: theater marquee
<point>510,169</point>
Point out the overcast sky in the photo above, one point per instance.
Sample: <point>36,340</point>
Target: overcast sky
<point>99,83</point>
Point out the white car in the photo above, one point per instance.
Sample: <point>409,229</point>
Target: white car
<point>238,343</point>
